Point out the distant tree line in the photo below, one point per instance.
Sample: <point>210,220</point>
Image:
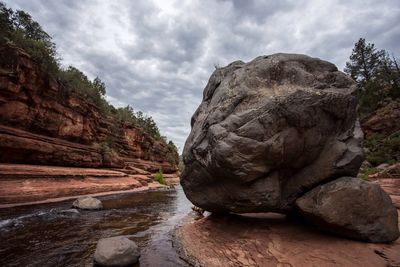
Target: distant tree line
<point>18,28</point>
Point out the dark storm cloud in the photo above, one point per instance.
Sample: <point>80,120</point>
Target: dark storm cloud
<point>157,55</point>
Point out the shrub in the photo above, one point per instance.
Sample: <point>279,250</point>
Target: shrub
<point>105,148</point>
<point>366,171</point>
<point>383,149</point>
<point>172,156</point>
<point>159,177</point>
<point>172,147</point>
<point>19,28</point>
<point>370,98</point>
<point>78,82</point>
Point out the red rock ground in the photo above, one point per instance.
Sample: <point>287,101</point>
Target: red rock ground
<point>392,187</point>
<point>271,240</point>
<point>274,241</point>
<point>28,183</point>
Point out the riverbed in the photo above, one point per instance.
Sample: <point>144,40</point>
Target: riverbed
<point>42,235</point>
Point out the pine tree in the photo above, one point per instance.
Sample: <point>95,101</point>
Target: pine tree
<point>376,73</point>
<point>365,62</point>
<point>99,86</point>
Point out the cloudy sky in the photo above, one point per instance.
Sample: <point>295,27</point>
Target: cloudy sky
<point>158,55</point>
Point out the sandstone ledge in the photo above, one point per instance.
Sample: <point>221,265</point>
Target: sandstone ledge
<point>33,183</point>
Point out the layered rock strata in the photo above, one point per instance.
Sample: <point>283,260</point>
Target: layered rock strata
<point>42,122</point>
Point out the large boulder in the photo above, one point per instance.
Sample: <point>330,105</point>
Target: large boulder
<point>116,251</point>
<point>353,208</point>
<point>87,203</point>
<point>268,131</point>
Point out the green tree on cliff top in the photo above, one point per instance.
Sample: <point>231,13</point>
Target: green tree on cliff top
<point>18,27</point>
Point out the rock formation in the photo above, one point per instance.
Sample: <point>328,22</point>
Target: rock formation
<point>351,207</point>
<point>42,122</point>
<point>269,131</point>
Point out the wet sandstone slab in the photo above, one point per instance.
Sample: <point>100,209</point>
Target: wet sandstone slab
<point>272,240</point>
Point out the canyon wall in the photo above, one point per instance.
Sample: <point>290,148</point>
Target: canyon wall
<point>42,122</point>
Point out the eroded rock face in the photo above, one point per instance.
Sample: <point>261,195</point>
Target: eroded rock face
<point>352,208</point>
<point>116,251</point>
<point>42,122</point>
<point>268,131</point>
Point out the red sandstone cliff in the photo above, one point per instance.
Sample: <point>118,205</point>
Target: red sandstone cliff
<point>41,122</point>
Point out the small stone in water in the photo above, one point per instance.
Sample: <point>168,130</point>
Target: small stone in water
<point>87,203</point>
<point>116,251</point>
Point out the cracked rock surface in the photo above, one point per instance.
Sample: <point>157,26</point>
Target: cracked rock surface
<point>268,131</point>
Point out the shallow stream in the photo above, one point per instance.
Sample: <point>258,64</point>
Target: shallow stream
<point>41,235</point>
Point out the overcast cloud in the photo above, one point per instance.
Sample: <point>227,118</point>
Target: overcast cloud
<point>158,55</point>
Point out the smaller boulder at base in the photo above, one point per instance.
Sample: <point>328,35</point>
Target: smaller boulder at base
<point>87,203</point>
<point>116,251</point>
<point>352,208</point>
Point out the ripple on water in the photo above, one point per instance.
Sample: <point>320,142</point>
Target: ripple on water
<point>41,236</point>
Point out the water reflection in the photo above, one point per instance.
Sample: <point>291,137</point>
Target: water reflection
<point>41,236</point>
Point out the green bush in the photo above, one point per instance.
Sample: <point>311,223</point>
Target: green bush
<point>370,98</point>
<point>159,177</point>
<point>383,149</point>
<point>105,148</point>
<point>366,171</point>
<point>127,115</point>
<point>78,82</point>
<point>18,28</point>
